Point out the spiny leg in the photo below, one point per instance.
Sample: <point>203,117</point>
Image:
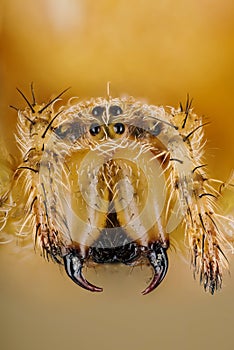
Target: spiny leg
<point>197,198</point>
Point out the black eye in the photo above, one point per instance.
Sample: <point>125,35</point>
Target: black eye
<point>119,128</point>
<point>94,129</point>
<point>156,129</point>
<point>115,110</point>
<point>98,111</point>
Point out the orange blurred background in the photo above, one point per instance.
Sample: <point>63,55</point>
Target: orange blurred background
<point>156,50</point>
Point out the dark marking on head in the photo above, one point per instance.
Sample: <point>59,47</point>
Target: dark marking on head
<point>136,131</point>
<point>71,131</point>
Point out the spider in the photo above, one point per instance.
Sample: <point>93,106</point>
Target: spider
<point>107,180</point>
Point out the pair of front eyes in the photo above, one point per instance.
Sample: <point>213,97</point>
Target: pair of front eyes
<point>114,111</point>
<point>95,129</point>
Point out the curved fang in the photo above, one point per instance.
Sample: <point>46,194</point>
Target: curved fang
<point>73,266</point>
<point>158,259</point>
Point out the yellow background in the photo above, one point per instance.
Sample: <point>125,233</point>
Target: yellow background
<point>157,50</point>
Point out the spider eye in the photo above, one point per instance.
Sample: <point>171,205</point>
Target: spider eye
<point>156,129</point>
<point>119,128</point>
<point>115,110</point>
<point>94,129</point>
<point>98,111</point>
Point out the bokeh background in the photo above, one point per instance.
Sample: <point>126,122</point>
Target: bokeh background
<point>156,50</point>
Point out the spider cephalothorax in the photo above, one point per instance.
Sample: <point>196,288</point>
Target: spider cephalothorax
<point>107,180</point>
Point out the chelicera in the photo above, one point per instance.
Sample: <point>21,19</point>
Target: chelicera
<point>107,136</point>
<point>108,180</point>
